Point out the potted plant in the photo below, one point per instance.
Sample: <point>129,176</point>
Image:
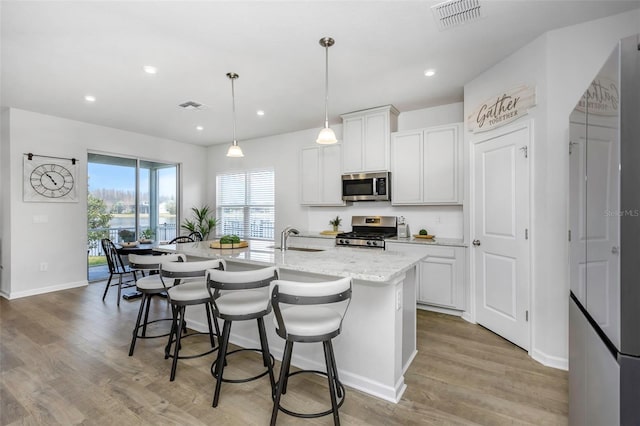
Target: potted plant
<point>147,235</point>
<point>335,223</point>
<point>126,235</point>
<point>202,220</point>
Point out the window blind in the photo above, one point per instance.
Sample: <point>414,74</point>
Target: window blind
<point>245,203</point>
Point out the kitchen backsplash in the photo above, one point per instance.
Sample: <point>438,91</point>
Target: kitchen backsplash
<point>443,221</point>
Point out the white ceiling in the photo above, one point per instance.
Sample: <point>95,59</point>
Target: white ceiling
<point>56,52</point>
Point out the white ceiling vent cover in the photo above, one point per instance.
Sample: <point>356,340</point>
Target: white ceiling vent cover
<point>191,105</point>
<point>452,13</point>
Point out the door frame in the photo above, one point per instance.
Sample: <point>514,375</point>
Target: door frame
<point>473,140</point>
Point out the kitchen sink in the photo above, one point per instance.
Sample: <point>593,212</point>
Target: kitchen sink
<point>300,249</point>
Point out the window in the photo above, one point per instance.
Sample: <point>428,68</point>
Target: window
<point>246,203</point>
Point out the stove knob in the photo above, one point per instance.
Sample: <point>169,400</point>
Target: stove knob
<point>374,243</point>
<point>368,243</point>
<point>347,242</point>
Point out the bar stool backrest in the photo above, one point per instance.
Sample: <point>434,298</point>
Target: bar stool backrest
<point>221,282</point>
<point>310,294</point>
<point>189,271</point>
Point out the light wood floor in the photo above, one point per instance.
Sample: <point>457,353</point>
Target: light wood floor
<point>64,360</point>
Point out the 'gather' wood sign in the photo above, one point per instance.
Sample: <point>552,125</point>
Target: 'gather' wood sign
<point>502,109</point>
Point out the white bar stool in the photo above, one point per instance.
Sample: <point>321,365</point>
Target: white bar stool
<point>149,286</point>
<point>241,296</point>
<point>303,314</point>
<point>186,285</point>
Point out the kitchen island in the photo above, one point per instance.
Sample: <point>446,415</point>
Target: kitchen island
<point>378,339</point>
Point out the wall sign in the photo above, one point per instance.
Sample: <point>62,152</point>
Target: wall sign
<point>601,98</point>
<point>502,109</point>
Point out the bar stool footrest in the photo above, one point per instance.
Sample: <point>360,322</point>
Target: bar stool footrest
<point>313,415</point>
<point>184,336</point>
<point>155,336</point>
<point>264,373</point>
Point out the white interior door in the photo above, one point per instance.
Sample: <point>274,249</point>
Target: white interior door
<point>501,222</point>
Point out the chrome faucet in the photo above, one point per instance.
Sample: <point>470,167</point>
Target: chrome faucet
<point>284,236</point>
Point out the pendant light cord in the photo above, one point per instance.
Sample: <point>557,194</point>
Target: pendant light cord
<point>233,108</point>
<point>326,87</point>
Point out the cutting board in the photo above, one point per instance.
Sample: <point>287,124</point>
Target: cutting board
<point>426,237</point>
<point>329,232</point>
<point>216,245</point>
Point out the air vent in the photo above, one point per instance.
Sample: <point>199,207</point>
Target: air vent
<point>191,105</point>
<point>452,13</point>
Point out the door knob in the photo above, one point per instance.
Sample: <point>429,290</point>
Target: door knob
<point>615,249</point>
<point>476,243</point>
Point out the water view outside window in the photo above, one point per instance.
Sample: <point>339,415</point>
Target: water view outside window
<point>246,203</point>
<point>130,199</point>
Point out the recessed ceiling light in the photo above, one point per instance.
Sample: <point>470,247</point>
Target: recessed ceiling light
<point>200,128</point>
<point>149,69</point>
<point>90,98</point>
<point>260,112</point>
<point>430,73</point>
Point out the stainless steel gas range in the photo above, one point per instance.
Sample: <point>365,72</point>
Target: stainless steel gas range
<point>369,231</point>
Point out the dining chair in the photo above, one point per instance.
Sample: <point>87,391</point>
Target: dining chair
<point>196,235</point>
<point>182,239</point>
<point>116,267</point>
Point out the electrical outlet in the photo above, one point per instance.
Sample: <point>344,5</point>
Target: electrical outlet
<point>44,266</point>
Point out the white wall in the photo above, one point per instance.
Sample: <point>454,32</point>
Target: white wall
<point>62,241</point>
<point>428,117</point>
<point>561,64</point>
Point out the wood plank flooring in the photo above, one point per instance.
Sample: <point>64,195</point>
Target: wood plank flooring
<point>63,360</point>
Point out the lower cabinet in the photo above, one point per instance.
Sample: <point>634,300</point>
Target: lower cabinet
<point>441,274</point>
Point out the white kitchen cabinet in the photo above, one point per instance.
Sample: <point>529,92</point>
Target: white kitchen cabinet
<point>365,139</point>
<point>441,274</point>
<point>426,166</point>
<point>320,171</point>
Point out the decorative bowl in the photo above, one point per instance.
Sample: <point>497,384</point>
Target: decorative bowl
<point>129,244</point>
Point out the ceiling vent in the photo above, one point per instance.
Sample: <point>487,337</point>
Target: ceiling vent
<point>191,105</point>
<point>452,13</point>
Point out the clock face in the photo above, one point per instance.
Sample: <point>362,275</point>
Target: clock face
<point>52,180</point>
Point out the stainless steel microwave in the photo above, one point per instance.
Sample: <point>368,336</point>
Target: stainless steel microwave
<point>366,186</point>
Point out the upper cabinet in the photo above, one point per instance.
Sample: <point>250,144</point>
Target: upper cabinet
<point>365,139</point>
<point>320,176</point>
<point>426,166</point>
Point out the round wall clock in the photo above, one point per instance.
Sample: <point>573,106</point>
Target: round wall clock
<point>49,179</point>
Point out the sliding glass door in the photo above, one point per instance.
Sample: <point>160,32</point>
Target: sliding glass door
<point>130,199</point>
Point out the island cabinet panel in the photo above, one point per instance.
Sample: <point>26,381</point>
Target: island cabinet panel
<point>365,138</point>
<point>320,170</point>
<point>426,166</point>
<point>441,275</point>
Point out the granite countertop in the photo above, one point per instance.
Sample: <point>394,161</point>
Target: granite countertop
<point>358,263</point>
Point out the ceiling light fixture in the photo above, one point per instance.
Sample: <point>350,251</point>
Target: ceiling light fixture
<point>199,128</point>
<point>430,73</point>
<point>90,98</point>
<point>326,136</point>
<point>150,69</point>
<point>234,149</point>
<point>260,112</point>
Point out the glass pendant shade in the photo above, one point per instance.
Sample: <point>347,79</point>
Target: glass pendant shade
<point>235,151</point>
<point>326,136</point>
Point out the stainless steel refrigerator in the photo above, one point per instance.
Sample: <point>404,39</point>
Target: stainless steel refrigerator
<point>604,209</point>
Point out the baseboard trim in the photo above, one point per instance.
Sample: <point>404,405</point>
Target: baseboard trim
<point>42,290</point>
<point>550,360</point>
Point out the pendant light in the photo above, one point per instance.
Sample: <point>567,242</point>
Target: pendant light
<point>326,135</point>
<point>234,149</point>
